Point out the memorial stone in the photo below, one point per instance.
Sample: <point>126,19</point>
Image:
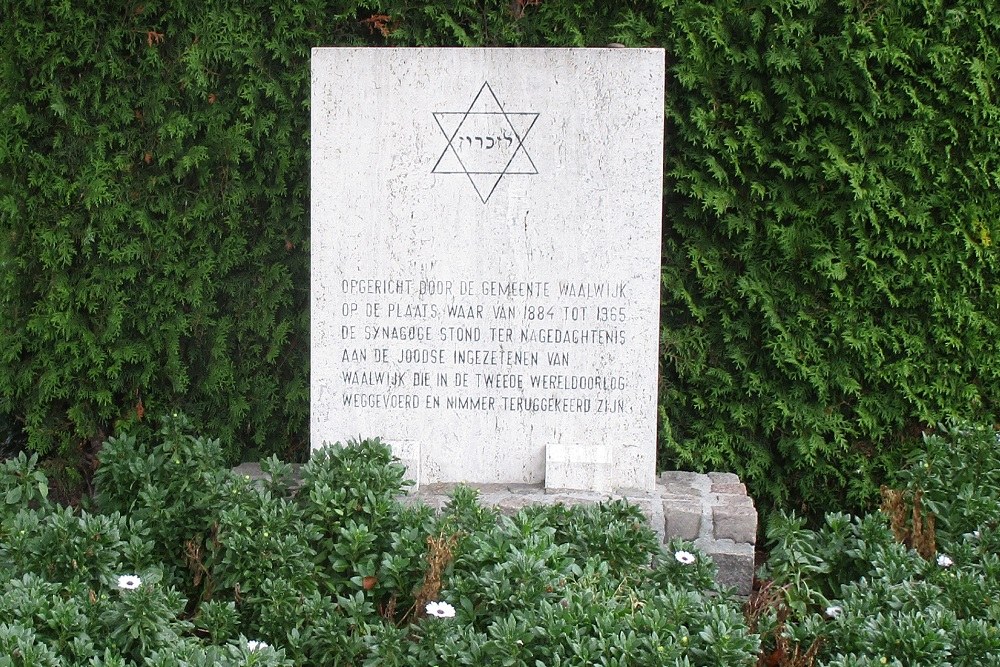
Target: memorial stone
<point>486,261</point>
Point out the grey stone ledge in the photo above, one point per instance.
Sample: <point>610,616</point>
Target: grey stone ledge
<point>724,478</point>
<point>682,519</point>
<point>732,500</point>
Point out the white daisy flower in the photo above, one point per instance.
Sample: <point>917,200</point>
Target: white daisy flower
<point>945,561</point>
<point>440,609</point>
<point>129,582</point>
<point>684,557</point>
<point>254,645</point>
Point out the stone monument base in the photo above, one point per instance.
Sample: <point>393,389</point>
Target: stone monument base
<point>711,510</point>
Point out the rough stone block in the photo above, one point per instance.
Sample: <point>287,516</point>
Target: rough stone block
<point>734,562</point>
<point>680,477</point>
<point>732,500</point>
<point>684,483</point>
<point>738,524</point>
<point>512,503</point>
<point>682,518</point>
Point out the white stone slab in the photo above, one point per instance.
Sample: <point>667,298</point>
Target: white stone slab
<point>586,467</point>
<point>486,255</point>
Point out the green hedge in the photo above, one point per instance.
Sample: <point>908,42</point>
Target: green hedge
<point>154,199</point>
<point>831,279</point>
<point>830,274</point>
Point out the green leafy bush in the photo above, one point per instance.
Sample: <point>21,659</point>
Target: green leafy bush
<point>332,569</point>
<point>548,585</point>
<point>956,470</point>
<point>867,599</point>
<point>174,488</point>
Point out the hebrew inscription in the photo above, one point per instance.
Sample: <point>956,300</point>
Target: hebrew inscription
<point>485,142</point>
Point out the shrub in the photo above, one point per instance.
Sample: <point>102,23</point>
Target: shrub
<point>956,470</point>
<point>174,488</point>
<point>337,571</point>
<point>548,585</point>
<point>867,598</point>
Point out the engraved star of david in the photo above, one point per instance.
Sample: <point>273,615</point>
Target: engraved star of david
<point>485,142</point>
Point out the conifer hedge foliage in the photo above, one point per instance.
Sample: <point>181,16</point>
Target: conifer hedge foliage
<point>830,261</point>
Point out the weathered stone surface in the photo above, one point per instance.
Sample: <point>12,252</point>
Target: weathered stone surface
<point>724,478</point>
<point>486,257</point>
<point>668,477</point>
<point>737,523</point>
<point>732,499</point>
<point>681,482</point>
<point>735,562</point>
<point>683,519</point>
<point>729,488</point>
